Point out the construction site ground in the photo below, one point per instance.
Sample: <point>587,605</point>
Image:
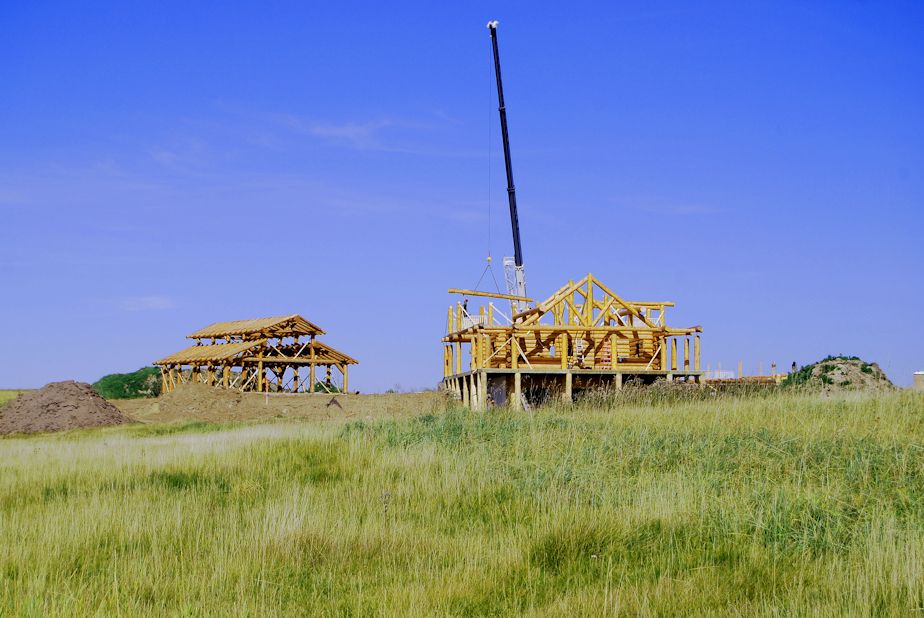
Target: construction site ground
<point>199,402</point>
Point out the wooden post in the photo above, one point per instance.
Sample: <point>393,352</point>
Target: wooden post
<point>226,376</point>
<point>617,380</point>
<point>482,390</point>
<point>614,351</point>
<point>261,377</point>
<point>566,395</point>
<point>663,354</point>
<point>295,378</point>
<point>311,376</point>
<point>516,403</point>
<point>514,352</point>
<point>490,314</point>
<point>327,381</point>
<point>210,375</point>
<point>696,353</point>
<point>563,343</point>
<point>346,372</point>
<point>673,353</point>
<point>465,399</point>
<point>686,353</point>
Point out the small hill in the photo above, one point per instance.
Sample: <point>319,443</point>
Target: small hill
<point>56,407</point>
<point>142,383</point>
<point>841,373</point>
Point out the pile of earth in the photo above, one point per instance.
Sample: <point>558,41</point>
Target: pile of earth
<point>201,401</point>
<point>57,407</point>
<point>841,373</point>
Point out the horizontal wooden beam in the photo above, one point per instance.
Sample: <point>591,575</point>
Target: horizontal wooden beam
<point>575,329</point>
<point>490,295</point>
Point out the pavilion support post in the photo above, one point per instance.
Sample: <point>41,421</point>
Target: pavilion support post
<point>226,376</point>
<point>346,370</point>
<point>566,394</point>
<point>295,377</point>
<point>662,356</point>
<point>311,376</point>
<point>210,375</point>
<point>465,398</point>
<point>261,377</point>
<point>172,378</point>
<point>686,353</point>
<point>673,353</point>
<point>696,353</point>
<point>483,390</point>
<point>617,381</point>
<point>516,402</point>
<point>563,353</point>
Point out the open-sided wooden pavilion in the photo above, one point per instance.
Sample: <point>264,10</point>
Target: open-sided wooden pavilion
<point>266,354</point>
<point>583,336</point>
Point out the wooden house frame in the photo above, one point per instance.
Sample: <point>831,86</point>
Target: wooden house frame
<point>262,355</point>
<point>582,336</point>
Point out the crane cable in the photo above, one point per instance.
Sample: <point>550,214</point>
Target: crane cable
<point>489,267</point>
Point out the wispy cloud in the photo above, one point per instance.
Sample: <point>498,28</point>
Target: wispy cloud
<point>365,136</point>
<point>359,135</point>
<point>681,209</point>
<point>387,134</point>
<point>146,303</point>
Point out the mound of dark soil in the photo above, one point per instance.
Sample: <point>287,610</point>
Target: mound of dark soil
<point>841,373</point>
<point>56,407</point>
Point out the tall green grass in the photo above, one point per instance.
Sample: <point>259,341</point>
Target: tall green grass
<point>781,505</point>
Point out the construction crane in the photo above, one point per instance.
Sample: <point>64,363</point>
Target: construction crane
<point>514,271</point>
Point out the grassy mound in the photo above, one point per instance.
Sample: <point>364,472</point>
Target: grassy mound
<point>142,383</point>
<point>789,505</point>
<point>841,373</point>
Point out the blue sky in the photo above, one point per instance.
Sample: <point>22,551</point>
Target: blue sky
<point>168,165</point>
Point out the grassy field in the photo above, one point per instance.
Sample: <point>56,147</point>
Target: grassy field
<point>7,395</point>
<point>783,505</point>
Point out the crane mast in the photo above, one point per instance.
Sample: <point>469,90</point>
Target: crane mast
<point>514,271</point>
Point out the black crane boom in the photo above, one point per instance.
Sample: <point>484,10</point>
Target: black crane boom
<point>511,189</point>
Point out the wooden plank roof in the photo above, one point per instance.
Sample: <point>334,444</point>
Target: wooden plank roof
<point>328,351</point>
<point>279,326</point>
<point>210,353</point>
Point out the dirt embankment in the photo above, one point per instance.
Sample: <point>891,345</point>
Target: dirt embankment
<point>848,373</point>
<point>57,407</point>
<point>207,403</point>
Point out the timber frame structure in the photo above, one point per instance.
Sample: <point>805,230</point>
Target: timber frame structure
<point>262,355</point>
<point>583,336</point>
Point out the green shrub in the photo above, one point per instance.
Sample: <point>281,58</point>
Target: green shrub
<point>142,383</point>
